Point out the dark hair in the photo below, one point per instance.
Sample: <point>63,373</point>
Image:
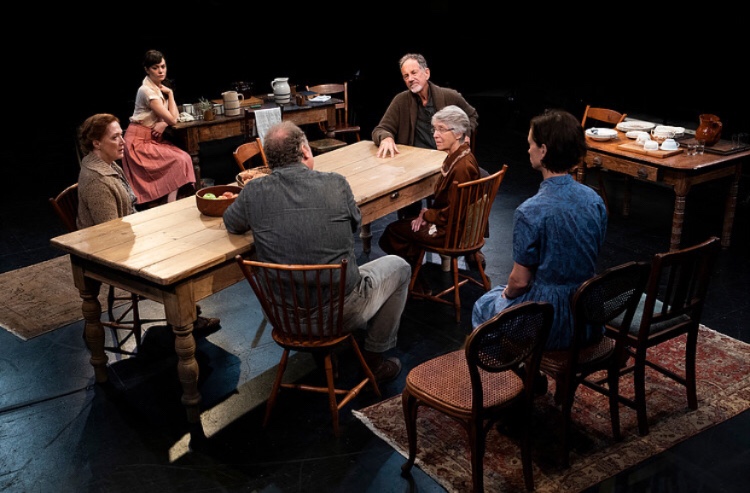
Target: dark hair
<point>93,128</point>
<point>283,144</point>
<point>151,58</point>
<point>563,135</point>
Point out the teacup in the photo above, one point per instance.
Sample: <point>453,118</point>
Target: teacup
<point>651,145</point>
<point>670,145</point>
<point>642,138</point>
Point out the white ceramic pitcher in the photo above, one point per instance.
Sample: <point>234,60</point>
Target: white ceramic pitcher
<point>282,93</point>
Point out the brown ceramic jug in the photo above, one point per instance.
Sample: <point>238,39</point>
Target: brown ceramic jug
<point>709,129</point>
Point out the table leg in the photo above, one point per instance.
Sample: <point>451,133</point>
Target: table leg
<point>179,308</point>
<point>626,197</point>
<point>93,328</point>
<point>366,237</point>
<point>197,170</point>
<point>678,218</point>
<point>730,206</point>
<point>187,370</point>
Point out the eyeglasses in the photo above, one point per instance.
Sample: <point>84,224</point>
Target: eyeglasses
<point>441,130</point>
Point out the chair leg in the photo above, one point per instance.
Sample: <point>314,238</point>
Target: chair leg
<point>332,402</point>
<point>415,272</point>
<point>134,299</point>
<point>603,190</point>
<point>566,396</point>
<point>639,381</point>
<point>613,384</point>
<point>409,403</point>
<point>476,451</point>
<point>365,367</point>
<point>456,290</point>
<point>690,350</point>
<point>485,280</point>
<point>626,197</point>
<point>276,386</point>
<point>528,471</point>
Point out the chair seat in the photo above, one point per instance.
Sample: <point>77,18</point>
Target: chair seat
<point>430,382</point>
<point>321,146</point>
<point>556,361</point>
<point>305,344</point>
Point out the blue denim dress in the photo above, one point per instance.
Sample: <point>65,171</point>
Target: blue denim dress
<point>557,233</point>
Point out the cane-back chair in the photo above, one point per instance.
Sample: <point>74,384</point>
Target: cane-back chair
<point>474,385</point>
<point>613,293</point>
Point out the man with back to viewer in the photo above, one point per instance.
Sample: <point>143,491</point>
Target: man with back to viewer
<point>302,216</point>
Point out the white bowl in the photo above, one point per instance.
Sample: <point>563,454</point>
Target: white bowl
<point>634,134</point>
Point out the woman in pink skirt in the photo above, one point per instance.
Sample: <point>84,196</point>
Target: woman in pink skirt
<point>155,168</point>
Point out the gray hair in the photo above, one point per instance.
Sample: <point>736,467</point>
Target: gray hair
<point>283,144</point>
<point>413,56</point>
<point>453,117</point>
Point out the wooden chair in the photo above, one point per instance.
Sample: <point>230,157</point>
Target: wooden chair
<point>465,235</point>
<point>290,296</point>
<point>671,306</point>
<point>65,205</point>
<point>248,151</point>
<point>344,131</point>
<point>600,116</point>
<point>613,293</point>
<point>475,384</point>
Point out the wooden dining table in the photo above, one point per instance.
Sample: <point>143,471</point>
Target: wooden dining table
<point>176,256</point>
<point>383,185</point>
<point>679,172</point>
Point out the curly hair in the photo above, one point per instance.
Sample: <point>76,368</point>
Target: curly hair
<point>94,128</point>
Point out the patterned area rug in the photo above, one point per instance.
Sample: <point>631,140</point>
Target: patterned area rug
<point>723,392</point>
<point>40,298</point>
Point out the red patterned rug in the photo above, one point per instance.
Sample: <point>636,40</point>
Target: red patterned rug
<point>723,392</point>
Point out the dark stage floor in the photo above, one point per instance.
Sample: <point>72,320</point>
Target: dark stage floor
<point>59,431</point>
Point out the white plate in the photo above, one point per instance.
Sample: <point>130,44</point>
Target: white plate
<point>601,133</point>
<point>634,125</point>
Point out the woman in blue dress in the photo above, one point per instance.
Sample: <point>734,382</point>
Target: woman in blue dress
<point>557,233</point>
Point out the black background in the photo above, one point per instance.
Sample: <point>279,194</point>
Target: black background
<point>70,61</point>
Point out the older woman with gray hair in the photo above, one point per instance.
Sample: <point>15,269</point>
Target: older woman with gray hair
<point>450,127</point>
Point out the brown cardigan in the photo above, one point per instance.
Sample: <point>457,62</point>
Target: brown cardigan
<point>400,119</point>
<point>102,192</point>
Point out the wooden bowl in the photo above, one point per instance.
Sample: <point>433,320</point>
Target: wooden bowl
<point>215,207</point>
